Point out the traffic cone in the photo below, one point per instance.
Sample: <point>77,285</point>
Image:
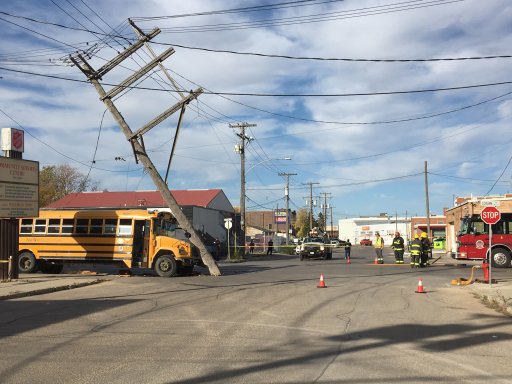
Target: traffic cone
<point>376,261</point>
<point>348,260</point>
<point>321,283</point>
<point>420,287</point>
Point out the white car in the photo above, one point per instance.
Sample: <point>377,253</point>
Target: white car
<point>314,247</point>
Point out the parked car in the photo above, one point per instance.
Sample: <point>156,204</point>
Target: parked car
<point>314,247</point>
<point>365,242</point>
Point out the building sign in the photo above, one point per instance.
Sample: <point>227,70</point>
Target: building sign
<point>280,216</point>
<point>19,188</point>
<point>13,140</point>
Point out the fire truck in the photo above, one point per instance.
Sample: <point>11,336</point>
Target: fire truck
<point>470,241</point>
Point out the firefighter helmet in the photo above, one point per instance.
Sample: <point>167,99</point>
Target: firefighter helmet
<point>423,234</point>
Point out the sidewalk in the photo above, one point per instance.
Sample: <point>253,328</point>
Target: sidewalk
<point>38,284</point>
<point>497,296</point>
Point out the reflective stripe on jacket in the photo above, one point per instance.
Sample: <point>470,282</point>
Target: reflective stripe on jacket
<point>415,247</point>
<point>398,244</point>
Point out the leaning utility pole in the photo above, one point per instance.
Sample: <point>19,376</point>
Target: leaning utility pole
<point>241,150</point>
<point>287,198</point>
<point>136,138</point>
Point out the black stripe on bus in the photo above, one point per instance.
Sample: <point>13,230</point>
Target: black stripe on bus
<point>82,252</point>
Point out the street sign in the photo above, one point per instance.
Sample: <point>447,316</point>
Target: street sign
<point>228,223</point>
<point>19,188</point>
<point>490,215</point>
<point>489,203</point>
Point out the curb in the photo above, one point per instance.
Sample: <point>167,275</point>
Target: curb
<point>42,291</point>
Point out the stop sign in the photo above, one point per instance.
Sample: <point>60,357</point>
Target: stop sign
<point>490,215</point>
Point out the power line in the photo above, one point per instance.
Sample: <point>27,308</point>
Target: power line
<point>280,94</point>
<point>348,184</point>
<point>57,151</point>
<point>312,18</point>
<point>257,8</point>
<point>113,36</point>
<point>313,58</point>
<point>461,178</point>
<point>498,179</point>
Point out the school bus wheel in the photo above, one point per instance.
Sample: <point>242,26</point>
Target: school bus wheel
<point>165,266</point>
<point>27,263</point>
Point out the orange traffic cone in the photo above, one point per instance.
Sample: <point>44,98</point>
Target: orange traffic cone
<point>321,283</point>
<point>420,287</point>
<point>348,260</point>
<point>376,261</point>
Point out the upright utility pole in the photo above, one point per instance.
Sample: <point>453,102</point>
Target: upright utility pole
<point>332,224</point>
<point>325,206</point>
<point>240,148</point>
<point>311,204</point>
<point>426,201</point>
<point>136,138</point>
<point>287,199</point>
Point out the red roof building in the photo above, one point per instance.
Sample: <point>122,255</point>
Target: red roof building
<point>205,198</point>
<point>205,208</point>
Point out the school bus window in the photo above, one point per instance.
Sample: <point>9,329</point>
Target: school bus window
<point>67,225</point>
<point>40,226</point>
<point>125,227</point>
<point>96,226</point>
<point>26,226</point>
<point>110,226</point>
<point>54,226</point>
<point>82,226</point>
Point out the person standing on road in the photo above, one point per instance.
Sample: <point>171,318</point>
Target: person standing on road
<point>415,251</point>
<point>270,247</point>
<point>348,246</point>
<point>251,247</point>
<point>216,244</point>
<point>379,246</point>
<point>425,249</point>
<point>398,247</point>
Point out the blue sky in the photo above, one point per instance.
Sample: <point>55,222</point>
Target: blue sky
<point>366,152</point>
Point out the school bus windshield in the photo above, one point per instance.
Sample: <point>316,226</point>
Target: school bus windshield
<point>166,227</point>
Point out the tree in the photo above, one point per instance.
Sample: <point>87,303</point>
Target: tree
<point>320,221</point>
<point>302,222</point>
<point>57,181</point>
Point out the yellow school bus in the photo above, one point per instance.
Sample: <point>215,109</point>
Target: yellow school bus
<point>135,238</point>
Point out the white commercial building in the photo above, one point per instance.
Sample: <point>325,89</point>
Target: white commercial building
<point>359,228</point>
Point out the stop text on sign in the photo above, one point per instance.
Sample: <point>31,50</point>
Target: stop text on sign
<point>490,215</point>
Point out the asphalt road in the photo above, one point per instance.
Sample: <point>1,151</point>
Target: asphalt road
<point>263,321</point>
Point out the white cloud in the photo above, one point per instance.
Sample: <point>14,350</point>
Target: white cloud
<point>66,115</point>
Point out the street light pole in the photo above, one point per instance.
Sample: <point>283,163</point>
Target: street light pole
<point>287,198</point>
<point>242,197</point>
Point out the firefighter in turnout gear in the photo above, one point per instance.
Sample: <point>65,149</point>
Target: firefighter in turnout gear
<point>379,246</point>
<point>425,249</point>
<point>398,247</point>
<point>415,252</point>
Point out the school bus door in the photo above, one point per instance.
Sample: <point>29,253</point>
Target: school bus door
<point>140,250</point>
